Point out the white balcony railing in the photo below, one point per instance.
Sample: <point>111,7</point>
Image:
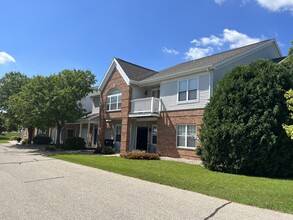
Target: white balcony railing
<point>149,105</point>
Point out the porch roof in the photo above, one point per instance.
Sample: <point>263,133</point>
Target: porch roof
<point>90,118</point>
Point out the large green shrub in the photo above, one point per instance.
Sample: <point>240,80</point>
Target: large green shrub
<point>74,143</point>
<point>242,131</point>
<point>40,139</point>
<point>104,150</point>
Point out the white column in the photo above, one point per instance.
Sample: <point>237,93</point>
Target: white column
<point>88,133</point>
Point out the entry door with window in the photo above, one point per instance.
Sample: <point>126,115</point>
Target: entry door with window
<point>117,139</point>
<point>142,138</point>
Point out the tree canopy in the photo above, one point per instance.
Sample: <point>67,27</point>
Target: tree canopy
<point>51,101</point>
<point>10,84</point>
<point>64,94</point>
<point>242,131</point>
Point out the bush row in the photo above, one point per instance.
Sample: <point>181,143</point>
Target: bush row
<point>140,155</point>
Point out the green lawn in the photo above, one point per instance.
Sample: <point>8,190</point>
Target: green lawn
<point>276,194</point>
<point>5,137</point>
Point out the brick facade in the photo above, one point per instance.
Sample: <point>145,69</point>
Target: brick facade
<point>105,119</point>
<point>167,122</point>
<point>166,145</point>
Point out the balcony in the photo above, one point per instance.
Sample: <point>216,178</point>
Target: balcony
<point>145,107</point>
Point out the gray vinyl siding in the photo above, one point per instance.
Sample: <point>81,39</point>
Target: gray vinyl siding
<point>265,53</point>
<point>96,104</point>
<point>169,94</point>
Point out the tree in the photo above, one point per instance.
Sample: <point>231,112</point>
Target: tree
<point>51,101</point>
<point>27,107</point>
<point>288,63</point>
<point>242,131</point>
<point>63,96</point>
<point>10,84</point>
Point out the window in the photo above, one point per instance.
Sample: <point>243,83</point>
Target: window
<point>154,134</point>
<point>114,100</point>
<point>187,90</point>
<point>118,133</point>
<point>186,136</point>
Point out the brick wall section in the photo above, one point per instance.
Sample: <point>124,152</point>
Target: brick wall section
<point>167,123</point>
<point>116,81</point>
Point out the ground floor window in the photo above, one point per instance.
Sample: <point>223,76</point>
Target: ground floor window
<point>154,134</point>
<point>186,135</point>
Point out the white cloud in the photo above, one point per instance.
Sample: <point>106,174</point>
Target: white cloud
<point>229,38</point>
<point>236,39</point>
<point>170,51</point>
<point>6,58</point>
<point>219,1</point>
<point>277,5</point>
<point>271,5</point>
<point>212,40</point>
<point>196,53</point>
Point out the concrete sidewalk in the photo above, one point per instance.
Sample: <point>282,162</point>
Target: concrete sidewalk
<point>37,187</point>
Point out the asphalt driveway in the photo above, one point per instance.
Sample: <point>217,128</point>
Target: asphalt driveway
<point>33,186</point>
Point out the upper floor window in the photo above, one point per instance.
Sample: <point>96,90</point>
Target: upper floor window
<point>187,90</point>
<point>114,100</point>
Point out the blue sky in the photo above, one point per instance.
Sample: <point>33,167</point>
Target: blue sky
<point>39,37</point>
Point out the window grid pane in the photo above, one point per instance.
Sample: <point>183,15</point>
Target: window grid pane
<point>192,94</point>
<point>192,84</point>
<point>182,96</point>
<point>182,86</point>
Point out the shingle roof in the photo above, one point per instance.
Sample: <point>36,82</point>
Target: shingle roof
<point>139,73</point>
<point>135,72</point>
<point>205,61</point>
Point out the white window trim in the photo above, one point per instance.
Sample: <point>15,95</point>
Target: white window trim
<point>110,96</point>
<point>185,147</point>
<point>197,91</point>
<point>152,135</point>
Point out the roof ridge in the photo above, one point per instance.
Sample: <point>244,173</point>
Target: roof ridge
<point>135,64</point>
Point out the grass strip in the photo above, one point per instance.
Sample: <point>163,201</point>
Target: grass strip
<point>5,136</point>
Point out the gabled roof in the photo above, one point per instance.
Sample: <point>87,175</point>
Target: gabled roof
<point>128,71</point>
<point>135,72</point>
<point>139,75</point>
<point>209,61</point>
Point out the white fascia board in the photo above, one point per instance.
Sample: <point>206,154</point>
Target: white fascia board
<point>278,48</point>
<point>170,77</point>
<point>113,64</point>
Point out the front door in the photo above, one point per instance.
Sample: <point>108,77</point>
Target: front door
<point>142,138</point>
